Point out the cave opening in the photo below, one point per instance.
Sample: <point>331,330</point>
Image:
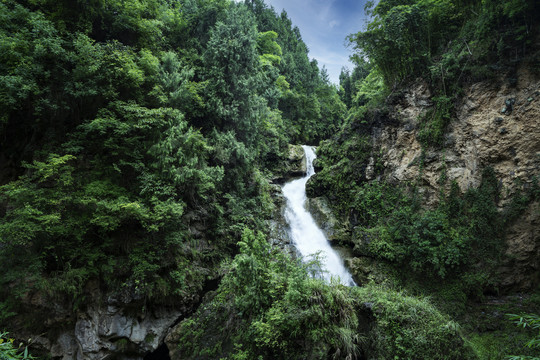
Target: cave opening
<point>161,353</point>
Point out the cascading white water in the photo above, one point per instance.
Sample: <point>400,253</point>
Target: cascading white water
<point>307,237</point>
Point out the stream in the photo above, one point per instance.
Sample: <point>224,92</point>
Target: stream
<point>306,235</point>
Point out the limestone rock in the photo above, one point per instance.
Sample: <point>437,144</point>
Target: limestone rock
<point>116,326</point>
<point>100,329</point>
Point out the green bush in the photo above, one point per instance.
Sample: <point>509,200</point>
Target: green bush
<point>8,351</point>
<point>531,321</point>
<point>267,307</point>
<point>408,327</point>
<point>433,124</point>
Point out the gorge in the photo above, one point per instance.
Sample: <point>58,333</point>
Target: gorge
<point>152,205</point>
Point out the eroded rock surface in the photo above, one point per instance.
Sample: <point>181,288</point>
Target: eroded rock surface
<point>522,262</point>
<point>116,326</point>
<point>478,137</point>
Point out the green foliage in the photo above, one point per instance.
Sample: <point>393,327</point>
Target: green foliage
<point>136,134</point>
<point>395,40</point>
<point>494,337</point>
<point>402,41</point>
<point>405,38</point>
<point>447,43</point>
<point>316,116</point>
<point>8,351</point>
<point>450,250</point>
<point>527,321</point>
<point>267,307</point>
<point>408,327</point>
<point>126,157</point>
<point>522,198</point>
<point>368,89</point>
<point>433,123</point>
<point>368,94</point>
<point>340,164</point>
<point>309,104</point>
<point>233,70</point>
<point>269,49</point>
<point>73,219</point>
<point>175,87</point>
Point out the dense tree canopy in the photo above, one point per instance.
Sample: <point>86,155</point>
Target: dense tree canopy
<point>125,123</point>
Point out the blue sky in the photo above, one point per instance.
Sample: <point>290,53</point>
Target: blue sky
<point>324,24</point>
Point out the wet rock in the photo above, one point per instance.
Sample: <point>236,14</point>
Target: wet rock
<point>430,157</point>
<point>323,215</point>
<point>370,168</point>
<point>278,233</point>
<point>316,165</point>
<point>87,337</point>
<point>98,333</point>
<point>65,347</point>
<point>469,105</point>
<point>364,270</point>
<point>297,159</point>
<point>109,327</point>
<point>510,102</point>
<point>498,120</point>
<point>449,140</point>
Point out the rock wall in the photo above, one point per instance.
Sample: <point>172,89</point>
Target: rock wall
<point>102,331</point>
<point>323,216</point>
<point>120,326</point>
<point>496,125</point>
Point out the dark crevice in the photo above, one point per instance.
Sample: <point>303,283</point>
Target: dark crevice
<point>161,353</point>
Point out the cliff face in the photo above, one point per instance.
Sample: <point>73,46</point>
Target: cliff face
<point>122,326</point>
<point>495,125</point>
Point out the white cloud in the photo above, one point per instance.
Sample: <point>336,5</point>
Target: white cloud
<point>324,24</point>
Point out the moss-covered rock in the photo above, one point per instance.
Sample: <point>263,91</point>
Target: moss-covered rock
<point>407,327</point>
<point>294,165</point>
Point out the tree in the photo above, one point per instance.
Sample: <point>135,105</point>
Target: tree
<point>233,72</point>
<point>345,90</point>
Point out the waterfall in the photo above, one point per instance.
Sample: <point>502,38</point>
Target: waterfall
<point>307,237</point>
